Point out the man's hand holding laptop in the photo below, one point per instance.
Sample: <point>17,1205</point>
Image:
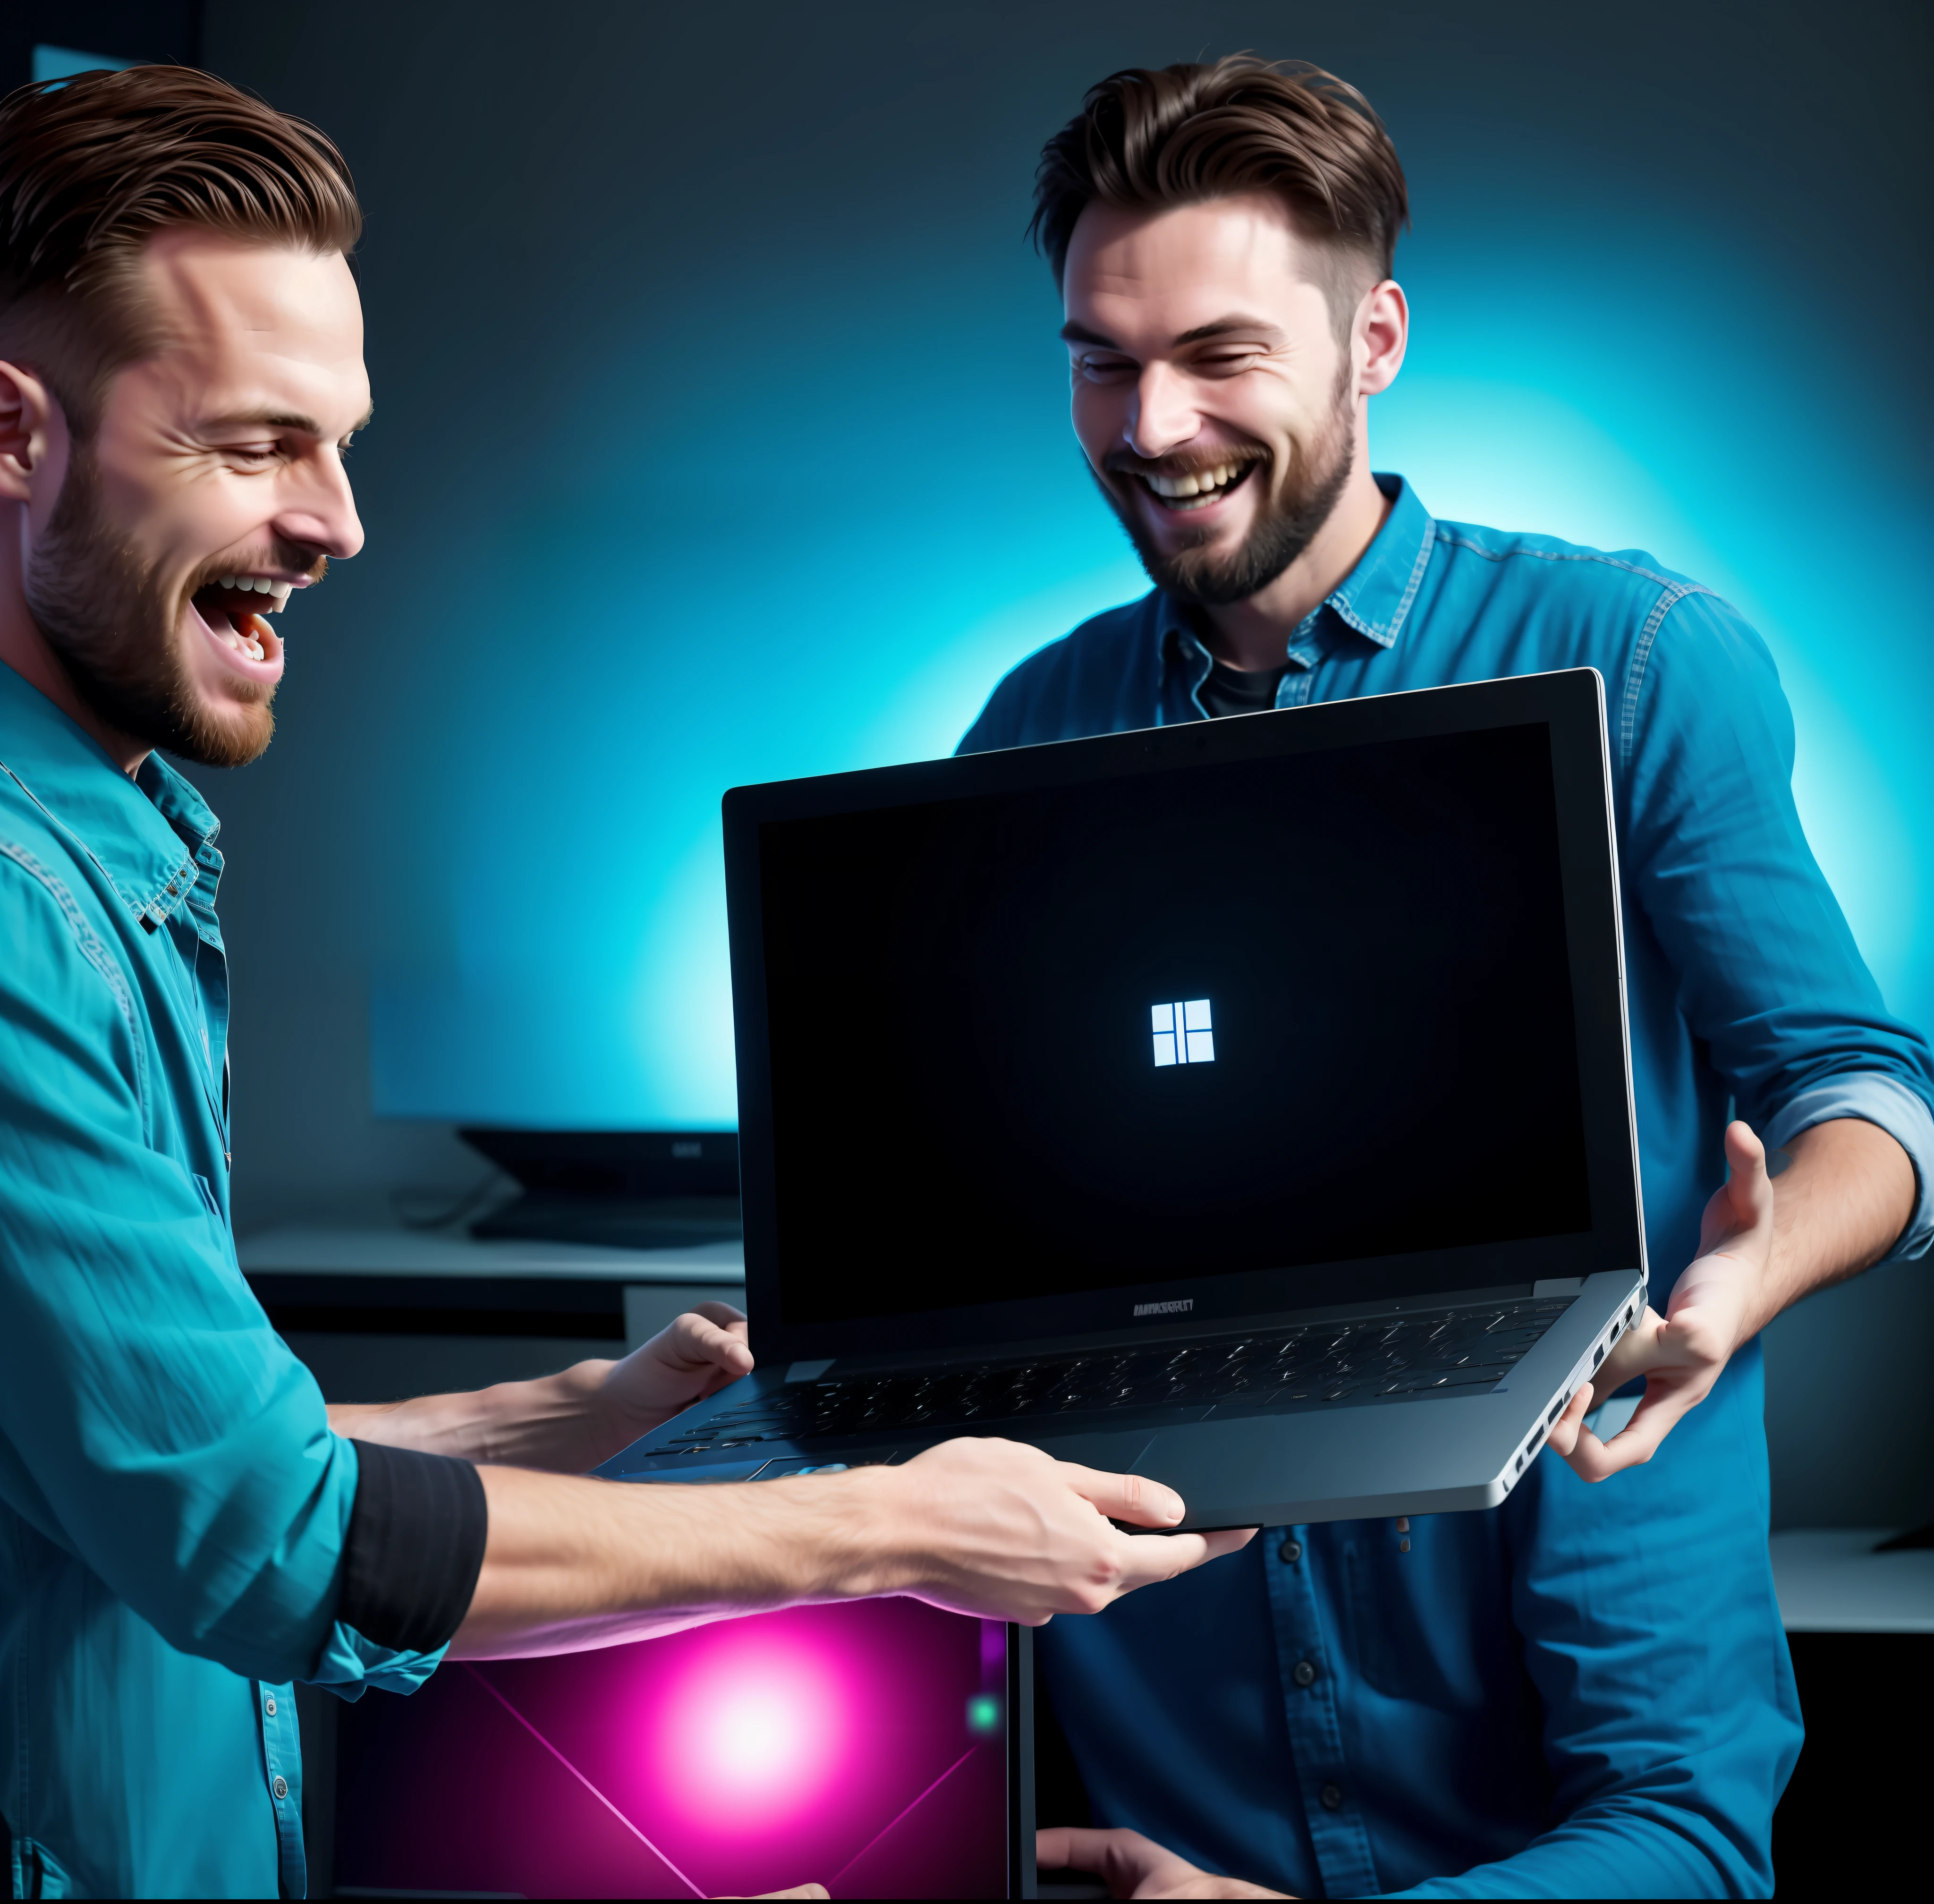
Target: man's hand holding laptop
<point>1001,1530</point>
<point>1760,1248</point>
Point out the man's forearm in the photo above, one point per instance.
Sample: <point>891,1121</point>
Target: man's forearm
<point>554,1422</point>
<point>573,1563</point>
<point>987,1528</point>
<point>1839,1206</point>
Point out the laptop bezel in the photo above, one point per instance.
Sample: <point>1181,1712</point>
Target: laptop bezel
<point>1570,702</point>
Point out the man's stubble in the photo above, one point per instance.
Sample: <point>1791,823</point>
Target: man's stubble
<point>1285,524</point>
<point>115,631</point>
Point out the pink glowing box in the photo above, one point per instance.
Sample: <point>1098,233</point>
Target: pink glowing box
<point>861,1746</point>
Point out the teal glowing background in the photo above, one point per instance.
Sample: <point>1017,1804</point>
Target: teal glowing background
<point>721,436</point>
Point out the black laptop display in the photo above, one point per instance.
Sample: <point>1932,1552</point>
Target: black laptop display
<point>1203,1098</point>
<point>1366,947</point>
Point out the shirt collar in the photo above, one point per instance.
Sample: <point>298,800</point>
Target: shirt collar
<point>1374,598</point>
<point>152,836</point>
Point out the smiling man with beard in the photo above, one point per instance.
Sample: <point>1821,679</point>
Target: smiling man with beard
<point>1585,1692</point>
<point>184,1529</point>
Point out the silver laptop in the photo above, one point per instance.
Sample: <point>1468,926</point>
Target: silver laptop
<point>1245,1104</point>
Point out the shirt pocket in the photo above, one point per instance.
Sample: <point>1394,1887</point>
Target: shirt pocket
<point>1411,1639</point>
<point>1382,1619</point>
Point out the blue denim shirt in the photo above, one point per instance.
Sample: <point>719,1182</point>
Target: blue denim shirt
<point>1586,1691</point>
<point>172,1505</point>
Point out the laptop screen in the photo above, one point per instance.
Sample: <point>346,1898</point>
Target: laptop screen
<point>1143,1030</point>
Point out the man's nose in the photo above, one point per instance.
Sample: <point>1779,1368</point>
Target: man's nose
<point>319,511</point>
<point>1163,415</point>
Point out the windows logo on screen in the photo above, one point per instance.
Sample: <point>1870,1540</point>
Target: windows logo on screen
<point>1182,1035</point>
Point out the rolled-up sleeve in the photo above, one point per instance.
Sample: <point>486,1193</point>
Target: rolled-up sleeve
<point>151,1423</point>
<point>1879,1099</point>
<point>1770,978</point>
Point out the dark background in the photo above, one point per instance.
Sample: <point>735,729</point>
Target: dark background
<point>973,979</point>
<point>1670,272</point>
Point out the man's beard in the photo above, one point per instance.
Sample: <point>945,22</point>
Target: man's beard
<point>116,633</point>
<point>1285,524</point>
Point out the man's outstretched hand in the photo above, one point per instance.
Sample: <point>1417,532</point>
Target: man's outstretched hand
<point>1843,1200</point>
<point>1718,1303</point>
<point>1002,1531</point>
<point>1131,1865</point>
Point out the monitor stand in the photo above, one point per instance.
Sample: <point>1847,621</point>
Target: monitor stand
<point>616,1189</point>
<point>615,1222</point>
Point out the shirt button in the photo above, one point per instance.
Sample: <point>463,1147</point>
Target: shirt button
<point>1331,1796</point>
<point>281,1789</point>
<point>1290,1552</point>
<point>269,1705</point>
<point>1303,1672</point>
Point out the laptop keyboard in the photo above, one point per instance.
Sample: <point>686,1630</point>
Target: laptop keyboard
<point>1318,1365</point>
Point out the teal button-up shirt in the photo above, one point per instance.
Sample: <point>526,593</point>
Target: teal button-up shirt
<point>172,1504</point>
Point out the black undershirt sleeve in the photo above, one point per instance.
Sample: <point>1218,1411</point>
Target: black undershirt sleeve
<point>414,1548</point>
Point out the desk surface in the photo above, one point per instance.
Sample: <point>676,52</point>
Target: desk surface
<point>1830,1581</point>
<point>319,1251</point>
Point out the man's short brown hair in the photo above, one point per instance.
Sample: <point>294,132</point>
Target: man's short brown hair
<point>92,169</point>
<point>1149,140</point>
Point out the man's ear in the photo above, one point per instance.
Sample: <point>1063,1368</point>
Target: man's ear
<point>29,418</point>
<point>1381,335</point>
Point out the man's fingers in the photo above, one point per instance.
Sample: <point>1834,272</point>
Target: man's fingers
<point>1122,1858</point>
<point>1053,1847</point>
<point>1154,1558</point>
<point>1655,1417</point>
<point>1132,1498</point>
<point>1636,1352</point>
<point>698,1337</point>
<point>1745,1154</point>
<point>1738,1216</point>
<point>1750,1188</point>
<point>1566,1430</point>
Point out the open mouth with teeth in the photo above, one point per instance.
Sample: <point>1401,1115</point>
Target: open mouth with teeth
<point>232,608</point>
<point>1195,488</point>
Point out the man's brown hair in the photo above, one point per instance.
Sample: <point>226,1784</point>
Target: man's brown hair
<point>1149,140</point>
<point>92,169</point>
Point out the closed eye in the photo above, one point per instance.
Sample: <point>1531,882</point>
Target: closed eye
<point>1100,369</point>
<point>1227,363</point>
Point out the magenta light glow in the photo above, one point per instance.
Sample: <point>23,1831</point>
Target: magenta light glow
<point>757,1729</point>
<point>860,1747</point>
